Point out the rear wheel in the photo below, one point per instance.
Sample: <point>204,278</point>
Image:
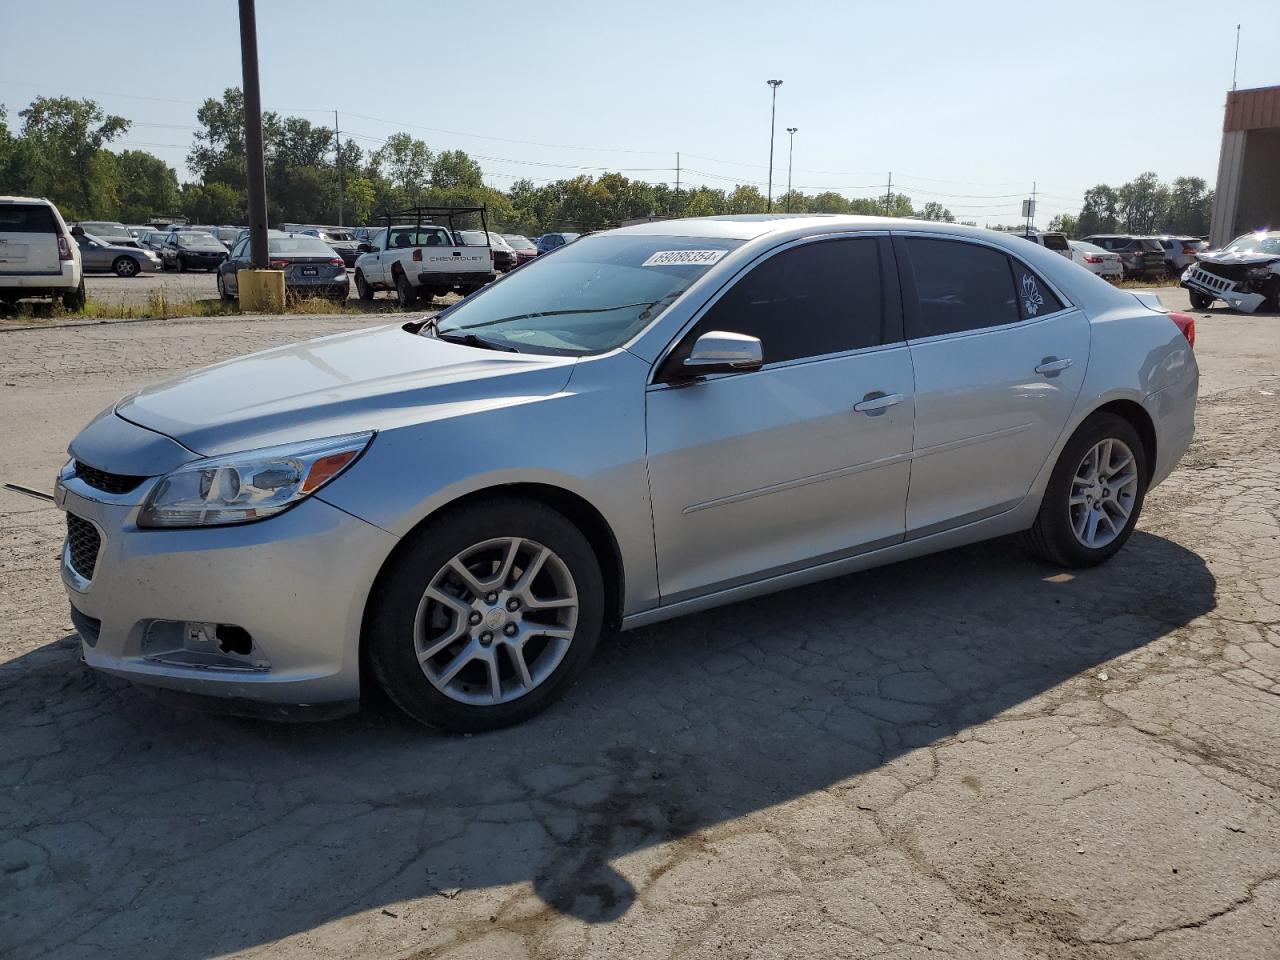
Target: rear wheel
<point>125,267</point>
<point>488,615</point>
<point>1094,496</point>
<point>406,295</point>
<point>222,287</point>
<point>363,290</point>
<point>181,265</point>
<point>74,300</point>
<point>1200,301</point>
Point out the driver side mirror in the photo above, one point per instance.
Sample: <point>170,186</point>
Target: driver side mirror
<point>718,351</point>
<point>365,248</point>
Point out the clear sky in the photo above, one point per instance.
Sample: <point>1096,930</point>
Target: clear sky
<point>970,101</point>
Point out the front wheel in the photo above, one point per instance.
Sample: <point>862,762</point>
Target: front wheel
<point>1094,496</point>
<point>488,614</point>
<point>125,267</point>
<point>363,290</point>
<point>222,287</point>
<point>1200,301</point>
<point>406,295</point>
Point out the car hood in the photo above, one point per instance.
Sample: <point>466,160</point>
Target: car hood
<point>373,379</point>
<point>1239,258</point>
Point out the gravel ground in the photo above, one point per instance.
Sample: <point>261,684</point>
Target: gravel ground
<point>969,755</point>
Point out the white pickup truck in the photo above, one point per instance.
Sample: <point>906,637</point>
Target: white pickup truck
<point>421,260</point>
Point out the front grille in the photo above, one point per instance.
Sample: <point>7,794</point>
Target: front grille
<point>83,542</point>
<point>1228,271</point>
<point>106,482</point>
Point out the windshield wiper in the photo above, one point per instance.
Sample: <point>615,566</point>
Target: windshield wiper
<point>471,340</point>
<point>554,313</point>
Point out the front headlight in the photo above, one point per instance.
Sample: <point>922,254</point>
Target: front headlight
<point>248,486</point>
<point>1259,273</point>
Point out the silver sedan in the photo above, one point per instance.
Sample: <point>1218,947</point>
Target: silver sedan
<point>99,256</point>
<point>644,423</point>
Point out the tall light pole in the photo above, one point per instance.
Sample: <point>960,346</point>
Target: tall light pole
<point>791,152</point>
<point>257,182</point>
<point>773,113</point>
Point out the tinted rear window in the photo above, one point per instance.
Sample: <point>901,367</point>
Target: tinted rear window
<point>961,286</point>
<point>26,218</point>
<point>1055,241</point>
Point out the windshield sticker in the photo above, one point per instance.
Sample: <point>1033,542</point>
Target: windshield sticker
<point>681,258</point>
<point>1031,298</point>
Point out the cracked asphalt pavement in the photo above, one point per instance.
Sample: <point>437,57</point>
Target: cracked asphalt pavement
<point>967,755</point>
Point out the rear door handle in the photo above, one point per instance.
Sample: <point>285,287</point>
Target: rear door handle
<point>1052,365</point>
<point>875,402</point>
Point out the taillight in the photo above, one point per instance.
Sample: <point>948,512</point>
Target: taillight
<point>337,262</point>
<point>64,248</point>
<point>1187,324</point>
<point>417,255</point>
<point>1092,258</point>
<point>279,264</point>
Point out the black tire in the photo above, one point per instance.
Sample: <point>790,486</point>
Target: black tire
<point>406,294</point>
<point>75,299</point>
<point>222,287</point>
<point>393,606</point>
<point>1272,293</point>
<point>1051,536</point>
<point>126,267</point>
<point>181,265</point>
<point>1200,301</point>
<point>363,290</point>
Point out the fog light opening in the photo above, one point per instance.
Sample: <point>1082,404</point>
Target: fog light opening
<point>234,640</point>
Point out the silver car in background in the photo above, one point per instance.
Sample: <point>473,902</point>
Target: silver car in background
<point>99,256</point>
<point>652,421</point>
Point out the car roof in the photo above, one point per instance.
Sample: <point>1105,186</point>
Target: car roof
<point>752,226</point>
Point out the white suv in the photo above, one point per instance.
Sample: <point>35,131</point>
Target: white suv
<point>38,258</point>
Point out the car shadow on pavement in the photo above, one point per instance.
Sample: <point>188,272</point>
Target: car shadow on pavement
<point>130,829</point>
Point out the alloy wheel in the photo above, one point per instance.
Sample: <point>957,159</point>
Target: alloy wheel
<point>496,621</point>
<point>1103,493</point>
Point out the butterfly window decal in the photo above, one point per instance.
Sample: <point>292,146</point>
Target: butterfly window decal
<point>1032,301</point>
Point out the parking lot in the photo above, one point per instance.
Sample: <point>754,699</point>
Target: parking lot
<point>968,755</point>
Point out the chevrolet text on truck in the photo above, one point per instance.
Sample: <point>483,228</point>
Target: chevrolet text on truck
<point>416,256</point>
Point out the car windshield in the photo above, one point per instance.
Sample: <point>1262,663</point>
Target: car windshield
<point>518,243</point>
<point>1254,243</point>
<point>585,298</point>
<point>192,239</point>
<point>302,244</point>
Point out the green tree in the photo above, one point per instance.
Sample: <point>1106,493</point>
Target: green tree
<point>212,203</point>
<point>148,187</point>
<point>828,202</point>
<point>358,197</point>
<point>1066,223</point>
<point>405,163</point>
<point>218,153</point>
<point>1189,208</point>
<point>1141,203</point>
<point>1100,213</point>
<point>17,169</point>
<point>746,199</point>
<point>453,169</point>
<point>65,137</point>
<point>936,211</point>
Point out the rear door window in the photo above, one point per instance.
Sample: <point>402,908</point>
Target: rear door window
<point>1035,299</point>
<point>811,300</point>
<point>26,218</point>
<point>959,286</point>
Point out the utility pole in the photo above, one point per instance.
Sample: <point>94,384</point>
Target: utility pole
<point>888,194</point>
<point>677,180</point>
<point>1235,63</point>
<point>773,114</point>
<point>791,152</point>
<point>253,135</point>
<point>337,139</point>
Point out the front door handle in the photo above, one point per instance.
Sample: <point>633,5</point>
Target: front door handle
<point>1050,366</point>
<point>876,402</point>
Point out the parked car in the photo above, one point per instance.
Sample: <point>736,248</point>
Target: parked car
<point>1142,257</point>
<point>1245,274</point>
<point>1093,258</point>
<point>1050,240</point>
<point>38,257</point>
<point>1180,252</point>
<point>228,235</point>
<point>110,231</point>
<point>192,250</point>
<point>152,240</point>
<point>136,231</point>
<point>525,249</point>
<point>550,241</point>
<point>504,258</point>
<point>311,267</point>
<point>657,420</point>
<point>343,242</point>
<point>421,261</point>
<point>98,256</point>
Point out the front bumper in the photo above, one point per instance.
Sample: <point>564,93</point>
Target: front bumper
<point>1235,293</point>
<point>296,582</point>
